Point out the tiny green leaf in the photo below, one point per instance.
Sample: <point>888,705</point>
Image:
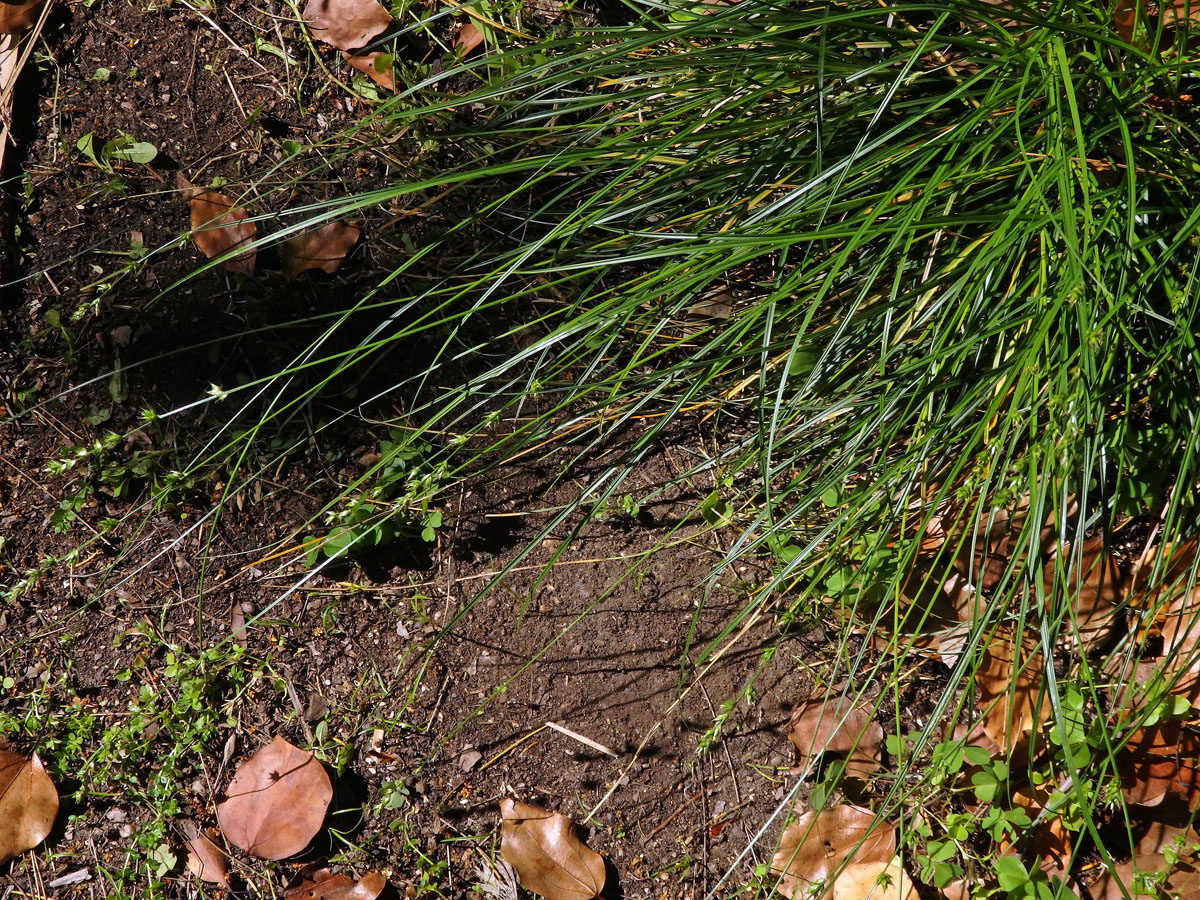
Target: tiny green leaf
<point>1010,873</point>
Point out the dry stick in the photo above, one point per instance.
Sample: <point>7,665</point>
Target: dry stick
<point>753,620</point>
<point>511,747</point>
<point>11,66</point>
<point>579,737</point>
<point>670,818</point>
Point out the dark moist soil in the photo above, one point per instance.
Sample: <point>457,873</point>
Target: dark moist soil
<point>416,676</point>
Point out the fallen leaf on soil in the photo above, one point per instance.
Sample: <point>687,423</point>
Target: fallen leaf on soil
<point>998,542</point>
<point>1125,19</point>
<point>205,859</point>
<point>1010,694</point>
<point>1177,613</point>
<point>838,724</point>
<point>866,880</point>
<point>1167,826</point>
<point>346,24</point>
<point>375,65</point>
<point>28,804</point>
<point>322,248</point>
<point>18,17</point>
<point>813,848</point>
<point>717,305</point>
<point>218,227</point>
<point>469,37</point>
<point>548,855</point>
<point>1095,583</point>
<point>1183,881</point>
<point>324,885</point>
<point>276,802</point>
<point>1158,762</point>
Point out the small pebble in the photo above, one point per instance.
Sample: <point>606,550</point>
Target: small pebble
<point>116,815</point>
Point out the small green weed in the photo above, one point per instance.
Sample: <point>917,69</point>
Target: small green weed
<point>399,502</point>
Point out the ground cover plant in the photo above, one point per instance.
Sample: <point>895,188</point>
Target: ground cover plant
<point>744,374</point>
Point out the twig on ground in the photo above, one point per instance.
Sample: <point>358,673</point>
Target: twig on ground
<point>583,740</point>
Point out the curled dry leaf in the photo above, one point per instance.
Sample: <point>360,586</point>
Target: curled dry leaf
<point>322,248</point>
<point>879,880</point>
<point>276,802</point>
<point>346,24</point>
<point>817,844</point>
<point>1160,762</point>
<point>324,885</point>
<point>838,724</point>
<point>28,804</point>
<point>220,227</point>
<point>18,17</point>
<point>1010,690</point>
<point>205,859</point>
<point>375,65</point>
<point>548,855</point>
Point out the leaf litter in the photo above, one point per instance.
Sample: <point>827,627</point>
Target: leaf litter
<point>205,859</point>
<point>547,853</point>
<point>18,17</point>
<point>815,848</point>
<point>276,802</point>
<point>220,227</point>
<point>842,725</point>
<point>324,885</point>
<point>376,65</point>
<point>321,248</point>
<point>28,803</point>
<point>347,24</point>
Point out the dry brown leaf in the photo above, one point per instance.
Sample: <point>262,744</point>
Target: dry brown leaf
<point>1125,19</point>
<point>219,227</point>
<point>18,17</point>
<point>276,802</point>
<point>866,881</point>
<point>346,24</point>
<point>205,859</point>
<point>1160,762</point>
<point>469,37</point>
<point>548,855</point>
<point>715,305</point>
<point>369,64</point>
<point>996,543</point>
<point>816,845</point>
<point>838,724</point>
<point>324,885</point>
<point>1095,583</point>
<point>322,248</point>
<point>1182,882</point>
<point>1010,695</point>
<point>28,804</point>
